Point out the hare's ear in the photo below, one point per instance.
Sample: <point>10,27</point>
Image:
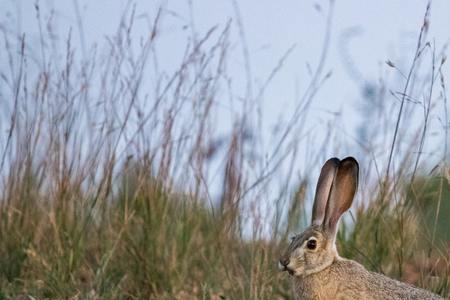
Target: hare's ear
<point>323,190</point>
<point>342,192</point>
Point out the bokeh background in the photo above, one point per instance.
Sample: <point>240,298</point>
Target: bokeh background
<point>168,149</point>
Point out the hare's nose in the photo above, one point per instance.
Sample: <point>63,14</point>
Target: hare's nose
<point>284,261</point>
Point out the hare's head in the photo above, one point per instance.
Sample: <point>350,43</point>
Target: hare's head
<point>314,249</point>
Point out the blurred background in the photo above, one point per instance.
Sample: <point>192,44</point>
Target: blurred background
<point>168,149</point>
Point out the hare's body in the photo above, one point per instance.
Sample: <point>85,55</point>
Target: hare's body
<point>347,279</point>
<point>312,259</point>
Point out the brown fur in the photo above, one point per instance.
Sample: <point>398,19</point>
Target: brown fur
<point>346,279</point>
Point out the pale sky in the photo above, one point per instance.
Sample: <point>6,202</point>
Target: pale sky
<point>382,30</point>
<point>387,29</point>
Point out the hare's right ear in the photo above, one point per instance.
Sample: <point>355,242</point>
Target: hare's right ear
<point>342,192</point>
<point>323,190</point>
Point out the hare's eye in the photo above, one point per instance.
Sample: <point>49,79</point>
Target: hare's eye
<point>311,244</point>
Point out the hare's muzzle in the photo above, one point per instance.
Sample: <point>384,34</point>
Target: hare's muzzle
<point>283,264</point>
<point>284,261</point>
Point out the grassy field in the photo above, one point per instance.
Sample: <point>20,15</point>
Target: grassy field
<point>118,183</point>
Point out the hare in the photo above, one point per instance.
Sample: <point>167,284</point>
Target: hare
<point>318,272</point>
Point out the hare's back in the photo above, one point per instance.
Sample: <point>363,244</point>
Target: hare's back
<point>355,280</point>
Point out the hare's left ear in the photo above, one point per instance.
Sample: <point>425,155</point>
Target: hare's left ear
<point>323,190</point>
<point>342,192</point>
